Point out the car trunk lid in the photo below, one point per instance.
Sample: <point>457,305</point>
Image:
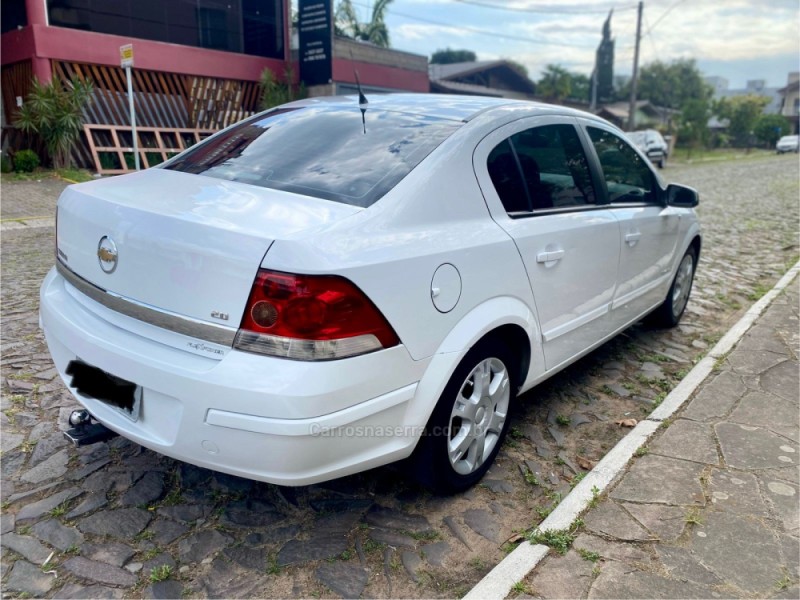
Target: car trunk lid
<point>184,244</point>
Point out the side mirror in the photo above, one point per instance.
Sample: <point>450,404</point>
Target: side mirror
<point>682,196</point>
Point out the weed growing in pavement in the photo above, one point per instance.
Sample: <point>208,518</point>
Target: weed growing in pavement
<point>783,582</point>
<point>558,539</point>
<point>641,451</point>
<point>595,497</point>
<point>273,568</point>
<point>521,588</point>
<point>160,573</point>
<point>562,420</point>
<point>59,511</point>
<point>508,547</point>
<point>692,517</point>
<point>588,555</point>
<point>531,478</point>
<point>516,433</point>
<point>759,290</point>
<point>595,570</point>
<point>144,536</point>
<point>478,563</point>
<point>577,479</point>
<point>428,535</point>
<point>372,546</point>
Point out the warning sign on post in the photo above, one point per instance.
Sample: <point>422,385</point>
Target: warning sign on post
<point>126,56</point>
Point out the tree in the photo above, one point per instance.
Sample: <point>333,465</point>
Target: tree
<point>670,85</point>
<point>555,83</point>
<point>579,87</point>
<point>742,112</point>
<point>449,56</point>
<point>770,128</point>
<point>54,111</point>
<point>275,93</point>
<point>374,31</point>
<point>693,122</point>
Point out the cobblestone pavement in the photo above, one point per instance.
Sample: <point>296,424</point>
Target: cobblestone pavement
<point>107,518</point>
<point>710,508</point>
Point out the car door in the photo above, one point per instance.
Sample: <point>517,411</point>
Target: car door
<point>648,227</point>
<point>537,183</point>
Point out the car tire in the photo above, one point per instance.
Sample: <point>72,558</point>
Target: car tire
<point>468,426</point>
<point>671,310</point>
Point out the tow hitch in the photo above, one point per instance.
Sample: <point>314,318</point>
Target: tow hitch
<point>84,432</point>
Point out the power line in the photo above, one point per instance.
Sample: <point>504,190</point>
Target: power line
<point>664,14</point>
<point>479,31</point>
<point>650,36</point>
<point>548,9</point>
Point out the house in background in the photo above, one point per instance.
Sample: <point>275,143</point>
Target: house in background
<point>790,100</point>
<point>197,64</point>
<point>498,78</point>
<point>648,115</point>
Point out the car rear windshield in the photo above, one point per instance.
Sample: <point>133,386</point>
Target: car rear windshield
<point>336,153</point>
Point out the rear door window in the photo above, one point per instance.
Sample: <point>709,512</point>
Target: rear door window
<point>331,152</point>
<point>541,168</point>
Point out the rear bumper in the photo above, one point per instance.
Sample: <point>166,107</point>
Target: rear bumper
<point>275,420</point>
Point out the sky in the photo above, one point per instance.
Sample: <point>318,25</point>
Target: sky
<point>735,39</point>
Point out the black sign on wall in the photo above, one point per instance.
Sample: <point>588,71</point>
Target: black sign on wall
<point>316,41</point>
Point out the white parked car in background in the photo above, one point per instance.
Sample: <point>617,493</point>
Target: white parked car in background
<point>788,143</point>
<point>327,287</point>
<point>653,144</point>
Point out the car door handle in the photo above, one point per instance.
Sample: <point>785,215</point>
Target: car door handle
<point>632,237</point>
<point>552,256</point>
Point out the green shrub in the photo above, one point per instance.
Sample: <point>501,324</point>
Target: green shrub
<point>54,111</point>
<point>26,161</point>
<point>6,166</point>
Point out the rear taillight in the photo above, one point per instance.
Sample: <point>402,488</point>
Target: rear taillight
<point>311,317</point>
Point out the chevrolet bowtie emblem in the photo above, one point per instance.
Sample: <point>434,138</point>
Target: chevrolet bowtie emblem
<point>107,254</point>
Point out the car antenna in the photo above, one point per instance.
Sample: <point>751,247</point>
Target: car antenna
<point>362,99</point>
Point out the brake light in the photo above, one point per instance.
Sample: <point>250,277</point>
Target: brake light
<point>311,317</point>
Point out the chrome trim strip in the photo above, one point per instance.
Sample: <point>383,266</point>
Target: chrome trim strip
<point>209,332</point>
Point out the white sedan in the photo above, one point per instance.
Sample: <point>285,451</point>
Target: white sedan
<point>327,287</point>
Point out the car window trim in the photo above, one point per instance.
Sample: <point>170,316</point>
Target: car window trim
<point>543,212</point>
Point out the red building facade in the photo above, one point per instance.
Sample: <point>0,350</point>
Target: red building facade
<point>197,63</point>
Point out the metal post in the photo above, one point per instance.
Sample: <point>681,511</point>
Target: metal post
<point>133,118</point>
<point>635,79</point>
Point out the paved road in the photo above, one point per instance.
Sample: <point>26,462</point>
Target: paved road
<point>112,512</point>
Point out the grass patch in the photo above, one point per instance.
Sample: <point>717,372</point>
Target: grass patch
<point>759,291</point>
<point>559,540</point>
<point>521,588</point>
<point>160,573</point>
<point>595,497</point>
<point>692,517</point>
<point>59,511</point>
<point>588,555</point>
<point>273,568</point>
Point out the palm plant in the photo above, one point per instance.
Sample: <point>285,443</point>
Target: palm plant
<point>374,31</point>
<point>54,111</point>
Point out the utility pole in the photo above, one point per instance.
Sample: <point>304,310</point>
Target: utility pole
<point>635,79</point>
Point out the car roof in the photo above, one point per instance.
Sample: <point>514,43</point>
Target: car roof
<point>444,106</point>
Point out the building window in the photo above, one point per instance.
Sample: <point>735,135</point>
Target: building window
<point>252,27</point>
<point>12,15</point>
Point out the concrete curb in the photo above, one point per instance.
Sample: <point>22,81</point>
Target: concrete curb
<point>497,584</point>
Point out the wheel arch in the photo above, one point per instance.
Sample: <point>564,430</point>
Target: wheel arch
<point>505,318</point>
